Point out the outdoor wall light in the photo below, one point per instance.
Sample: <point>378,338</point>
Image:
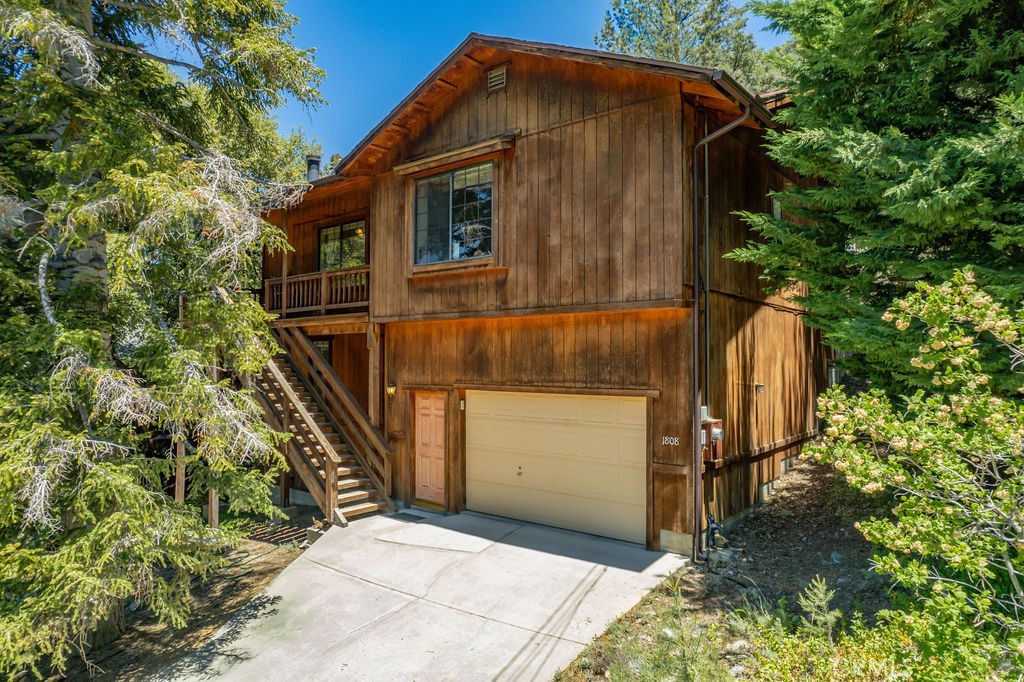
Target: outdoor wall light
<point>391,390</point>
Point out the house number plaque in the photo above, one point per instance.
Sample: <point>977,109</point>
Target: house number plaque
<point>670,440</point>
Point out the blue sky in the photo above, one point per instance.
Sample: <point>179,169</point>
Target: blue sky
<point>375,52</point>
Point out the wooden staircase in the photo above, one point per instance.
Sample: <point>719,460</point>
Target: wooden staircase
<point>334,449</point>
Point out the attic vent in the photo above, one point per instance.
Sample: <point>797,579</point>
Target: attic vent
<point>496,78</point>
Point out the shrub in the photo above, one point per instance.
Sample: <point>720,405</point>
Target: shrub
<point>953,458</point>
<point>921,643</point>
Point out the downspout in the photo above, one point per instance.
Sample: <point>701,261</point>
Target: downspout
<point>698,393</point>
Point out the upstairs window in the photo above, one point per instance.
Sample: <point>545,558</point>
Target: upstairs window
<point>343,246</point>
<point>453,215</point>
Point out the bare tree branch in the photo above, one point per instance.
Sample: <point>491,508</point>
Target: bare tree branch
<point>44,294</point>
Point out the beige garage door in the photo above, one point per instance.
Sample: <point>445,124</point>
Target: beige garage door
<point>573,461</point>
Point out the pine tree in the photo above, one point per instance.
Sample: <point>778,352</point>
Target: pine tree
<point>909,117</point>
<point>119,197</point>
<point>710,33</point>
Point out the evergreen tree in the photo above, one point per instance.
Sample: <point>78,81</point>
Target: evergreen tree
<point>118,196</point>
<point>710,33</point>
<point>910,118</point>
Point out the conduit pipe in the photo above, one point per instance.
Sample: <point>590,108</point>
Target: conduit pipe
<point>698,394</point>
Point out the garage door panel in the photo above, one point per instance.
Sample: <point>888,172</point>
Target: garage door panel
<point>567,460</point>
<point>558,475</point>
<point>613,446</point>
<point>507,433</point>
<point>570,438</point>
<point>607,518</point>
<point>563,407</point>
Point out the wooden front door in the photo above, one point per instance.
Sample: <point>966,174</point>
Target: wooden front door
<point>429,430</point>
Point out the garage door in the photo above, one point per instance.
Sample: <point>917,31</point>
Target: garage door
<point>574,461</point>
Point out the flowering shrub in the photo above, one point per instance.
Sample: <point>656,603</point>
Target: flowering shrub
<point>953,457</point>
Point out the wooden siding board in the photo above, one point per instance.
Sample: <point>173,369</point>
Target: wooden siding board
<point>579,182</point>
<point>564,162</point>
<point>547,261</point>
<point>628,256</point>
<point>657,189</point>
<point>615,206</point>
<point>602,232</point>
<point>644,256</point>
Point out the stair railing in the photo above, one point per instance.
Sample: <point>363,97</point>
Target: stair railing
<point>307,433</point>
<point>364,440</point>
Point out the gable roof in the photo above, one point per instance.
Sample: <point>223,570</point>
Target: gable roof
<point>716,83</point>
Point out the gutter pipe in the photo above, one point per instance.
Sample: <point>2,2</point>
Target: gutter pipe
<point>698,396</point>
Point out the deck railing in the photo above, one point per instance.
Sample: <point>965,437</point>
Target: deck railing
<point>325,292</point>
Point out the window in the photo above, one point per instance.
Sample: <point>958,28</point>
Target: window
<point>343,246</point>
<point>323,346</point>
<point>453,215</point>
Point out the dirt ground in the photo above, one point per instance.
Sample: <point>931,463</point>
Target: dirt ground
<point>805,529</point>
<point>147,647</point>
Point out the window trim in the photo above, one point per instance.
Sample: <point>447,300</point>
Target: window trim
<point>321,225</point>
<point>479,263</point>
<point>464,156</point>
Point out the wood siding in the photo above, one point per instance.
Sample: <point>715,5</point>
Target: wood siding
<point>739,177</point>
<point>350,358</point>
<point>766,368</point>
<point>325,206</point>
<point>640,351</point>
<point>588,206</point>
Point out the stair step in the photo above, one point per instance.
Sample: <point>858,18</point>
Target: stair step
<point>352,482</point>
<point>310,406</point>
<point>354,510</point>
<point>356,495</point>
<point>347,467</point>
<point>348,496</point>
<point>335,442</point>
<point>331,435</point>
<point>311,451</point>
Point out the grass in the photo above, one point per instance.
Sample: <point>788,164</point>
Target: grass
<point>661,638</point>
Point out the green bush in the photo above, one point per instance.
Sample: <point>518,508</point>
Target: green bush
<point>921,643</point>
<point>952,459</point>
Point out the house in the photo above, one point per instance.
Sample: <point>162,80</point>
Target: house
<point>491,302</point>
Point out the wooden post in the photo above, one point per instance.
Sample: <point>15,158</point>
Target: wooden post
<point>323,293</point>
<point>330,487</point>
<point>213,503</point>
<point>284,483</point>
<point>284,274</point>
<point>179,472</point>
<point>374,393</point>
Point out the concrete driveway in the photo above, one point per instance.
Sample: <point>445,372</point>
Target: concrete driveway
<point>416,596</point>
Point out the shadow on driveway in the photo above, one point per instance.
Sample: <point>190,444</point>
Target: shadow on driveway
<point>431,597</point>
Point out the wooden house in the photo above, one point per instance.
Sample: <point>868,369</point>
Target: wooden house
<point>512,297</point>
